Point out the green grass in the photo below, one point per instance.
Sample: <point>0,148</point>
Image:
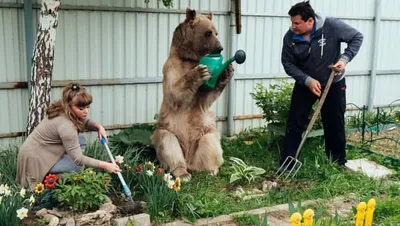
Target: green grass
<point>318,178</point>
<point>246,219</point>
<point>210,196</point>
<point>388,211</point>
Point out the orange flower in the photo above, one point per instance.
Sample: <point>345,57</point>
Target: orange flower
<point>159,171</point>
<point>50,181</point>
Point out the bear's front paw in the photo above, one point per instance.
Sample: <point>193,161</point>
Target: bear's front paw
<point>186,177</point>
<point>226,77</point>
<point>213,172</point>
<point>202,72</point>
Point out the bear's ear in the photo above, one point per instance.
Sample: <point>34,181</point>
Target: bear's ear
<point>190,14</point>
<point>210,16</point>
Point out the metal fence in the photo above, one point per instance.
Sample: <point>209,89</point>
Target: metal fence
<point>117,49</point>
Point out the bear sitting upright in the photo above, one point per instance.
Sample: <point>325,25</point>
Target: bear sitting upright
<point>186,136</point>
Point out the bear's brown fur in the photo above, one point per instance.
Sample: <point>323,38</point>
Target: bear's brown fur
<point>186,136</point>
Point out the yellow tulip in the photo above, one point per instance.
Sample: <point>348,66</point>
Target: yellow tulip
<point>295,219</point>
<point>360,214</point>
<point>370,212</point>
<point>248,142</point>
<point>308,217</point>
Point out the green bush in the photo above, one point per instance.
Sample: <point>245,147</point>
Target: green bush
<point>85,190</point>
<point>275,102</point>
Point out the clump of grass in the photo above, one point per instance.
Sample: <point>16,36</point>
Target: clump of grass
<point>8,166</point>
<point>246,219</point>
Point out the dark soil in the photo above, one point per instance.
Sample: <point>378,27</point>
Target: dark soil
<point>384,142</point>
<point>30,220</point>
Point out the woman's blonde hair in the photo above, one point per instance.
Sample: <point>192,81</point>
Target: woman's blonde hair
<point>73,94</point>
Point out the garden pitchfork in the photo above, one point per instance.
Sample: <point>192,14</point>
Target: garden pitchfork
<point>294,162</point>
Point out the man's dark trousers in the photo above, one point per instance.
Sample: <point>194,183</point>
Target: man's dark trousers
<point>332,113</point>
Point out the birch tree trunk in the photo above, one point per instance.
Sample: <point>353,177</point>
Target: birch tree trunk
<point>42,63</point>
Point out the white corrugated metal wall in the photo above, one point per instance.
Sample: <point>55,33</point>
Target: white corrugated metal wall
<point>118,49</point>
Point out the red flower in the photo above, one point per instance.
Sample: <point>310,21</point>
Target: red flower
<point>138,168</point>
<point>50,181</point>
<point>159,171</point>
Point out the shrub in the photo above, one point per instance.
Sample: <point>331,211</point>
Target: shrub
<point>85,190</point>
<point>275,102</point>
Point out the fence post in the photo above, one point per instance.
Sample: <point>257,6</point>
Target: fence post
<point>377,121</point>
<point>363,124</point>
<point>374,55</point>
<point>28,41</point>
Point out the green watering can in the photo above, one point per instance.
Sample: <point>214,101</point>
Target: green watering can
<point>216,67</point>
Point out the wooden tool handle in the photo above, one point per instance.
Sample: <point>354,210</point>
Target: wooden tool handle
<point>322,100</point>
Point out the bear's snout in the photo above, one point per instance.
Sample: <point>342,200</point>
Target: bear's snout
<point>218,49</point>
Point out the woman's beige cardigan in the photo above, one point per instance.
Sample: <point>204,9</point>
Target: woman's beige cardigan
<point>45,146</point>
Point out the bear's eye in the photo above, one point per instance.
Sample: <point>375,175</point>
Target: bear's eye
<point>208,33</point>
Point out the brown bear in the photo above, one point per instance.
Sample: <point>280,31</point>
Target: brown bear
<point>186,137</point>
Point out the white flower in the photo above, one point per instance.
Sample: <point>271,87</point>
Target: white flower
<point>22,192</point>
<point>119,159</point>
<point>3,188</point>
<point>167,177</point>
<point>7,192</point>
<point>171,184</point>
<point>275,112</point>
<point>149,172</point>
<point>32,200</point>
<point>22,213</point>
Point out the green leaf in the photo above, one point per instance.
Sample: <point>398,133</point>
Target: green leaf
<point>234,177</point>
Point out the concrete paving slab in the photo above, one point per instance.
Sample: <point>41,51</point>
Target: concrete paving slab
<point>370,168</point>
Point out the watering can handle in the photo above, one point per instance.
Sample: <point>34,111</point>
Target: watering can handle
<point>221,57</point>
<point>214,55</point>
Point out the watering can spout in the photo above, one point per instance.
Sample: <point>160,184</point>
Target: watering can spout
<point>216,67</point>
<point>239,57</point>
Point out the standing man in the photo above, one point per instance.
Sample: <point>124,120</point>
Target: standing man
<point>309,47</point>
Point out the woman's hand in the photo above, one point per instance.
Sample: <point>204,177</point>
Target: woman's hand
<point>110,167</point>
<point>93,126</point>
<point>102,132</point>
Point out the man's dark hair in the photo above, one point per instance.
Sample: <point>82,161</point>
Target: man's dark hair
<point>303,9</point>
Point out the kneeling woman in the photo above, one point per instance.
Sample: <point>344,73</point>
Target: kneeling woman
<point>53,146</point>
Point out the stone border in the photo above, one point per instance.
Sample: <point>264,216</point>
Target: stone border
<point>259,211</point>
<point>142,219</point>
